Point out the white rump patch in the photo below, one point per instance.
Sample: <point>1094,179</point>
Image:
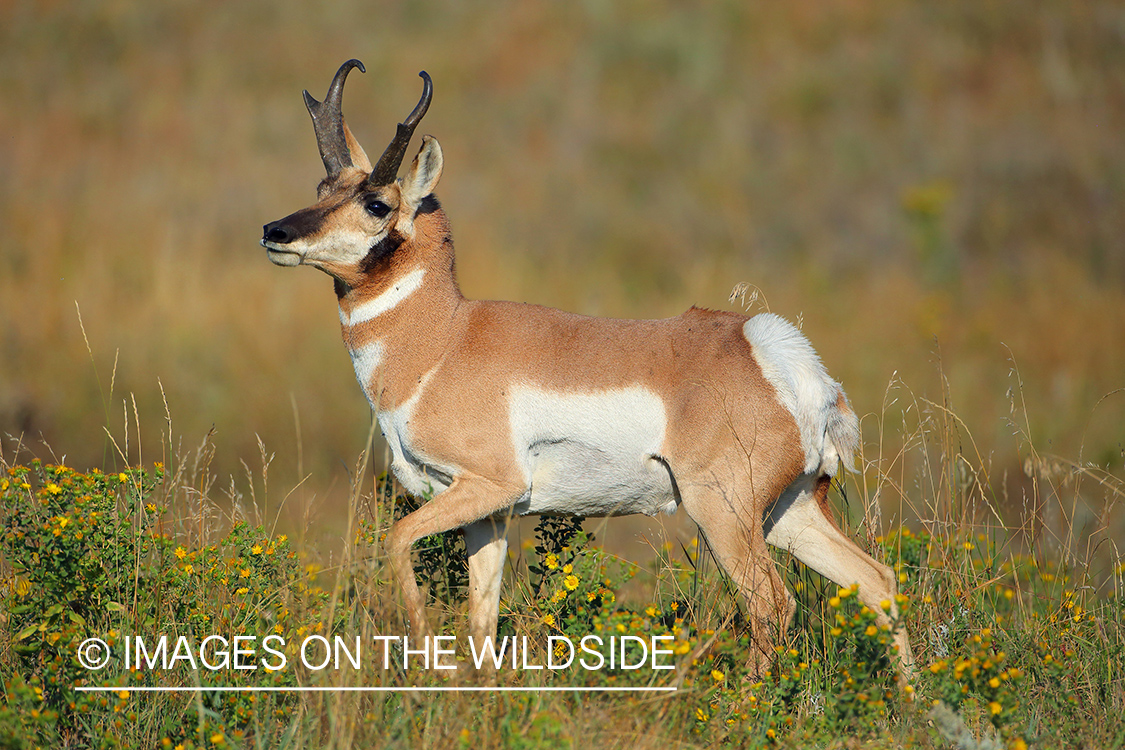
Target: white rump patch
<point>375,307</point>
<point>789,363</point>
<point>591,454</point>
<point>366,360</point>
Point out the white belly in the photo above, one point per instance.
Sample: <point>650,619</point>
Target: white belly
<point>591,454</point>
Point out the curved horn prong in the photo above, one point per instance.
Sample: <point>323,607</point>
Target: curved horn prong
<point>386,171</point>
<point>328,121</point>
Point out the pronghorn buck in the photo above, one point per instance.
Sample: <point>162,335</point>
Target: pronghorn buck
<point>505,409</point>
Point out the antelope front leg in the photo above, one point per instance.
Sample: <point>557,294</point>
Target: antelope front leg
<point>487,545</point>
<point>465,501</point>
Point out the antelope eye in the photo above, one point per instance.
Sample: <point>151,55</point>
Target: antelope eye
<point>378,209</point>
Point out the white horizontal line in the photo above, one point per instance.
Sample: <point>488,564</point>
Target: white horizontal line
<point>365,689</point>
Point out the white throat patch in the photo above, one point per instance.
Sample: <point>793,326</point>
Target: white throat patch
<point>373,308</point>
<point>366,360</point>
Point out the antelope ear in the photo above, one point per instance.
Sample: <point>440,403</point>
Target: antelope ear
<point>424,173</point>
<point>359,156</point>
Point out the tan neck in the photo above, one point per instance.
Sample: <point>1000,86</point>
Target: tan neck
<point>404,309</point>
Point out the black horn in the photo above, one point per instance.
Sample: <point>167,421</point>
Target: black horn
<point>386,171</point>
<point>328,121</point>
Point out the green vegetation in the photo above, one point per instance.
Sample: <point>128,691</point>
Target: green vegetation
<point>932,189</point>
<point>906,179</point>
<point>1016,645</point>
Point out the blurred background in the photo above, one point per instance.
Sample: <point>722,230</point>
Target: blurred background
<point>934,190</point>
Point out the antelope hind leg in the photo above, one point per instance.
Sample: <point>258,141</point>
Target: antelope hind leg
<point>736,540</point>
<point>801,522</point>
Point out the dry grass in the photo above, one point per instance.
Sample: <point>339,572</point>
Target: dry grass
<point>1028,595</point>
<point>920,184</point>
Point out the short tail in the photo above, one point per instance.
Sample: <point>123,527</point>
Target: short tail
<point>841,436</point>
<point>827,425</point>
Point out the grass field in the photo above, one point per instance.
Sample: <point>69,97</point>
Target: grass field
<point>933,190</point>
<point>1016,621</point>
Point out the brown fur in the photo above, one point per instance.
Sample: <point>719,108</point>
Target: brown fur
<point>732,450</point>
<point>821,495</point>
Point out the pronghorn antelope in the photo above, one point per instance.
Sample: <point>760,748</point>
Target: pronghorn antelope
<point>503,408</point>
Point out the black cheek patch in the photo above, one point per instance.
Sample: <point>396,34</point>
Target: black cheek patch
<point>380,252</point>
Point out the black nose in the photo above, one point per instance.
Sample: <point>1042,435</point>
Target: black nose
<point>278,233</point>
